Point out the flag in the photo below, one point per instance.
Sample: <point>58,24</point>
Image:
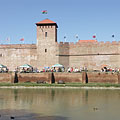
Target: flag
<point>44,12</point>
<point>64,37</point>
<point>22,39</point>
<point>76,36</point>
<point>94,36</point>
<point>113,36</point>
<point>8,39</point>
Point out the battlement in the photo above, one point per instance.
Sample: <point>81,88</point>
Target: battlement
<point>18,46</point>
<point>89,42</point>
<point>64,43</point>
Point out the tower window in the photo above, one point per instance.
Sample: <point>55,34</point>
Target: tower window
<point>45,50</point>
<point>45,34</point>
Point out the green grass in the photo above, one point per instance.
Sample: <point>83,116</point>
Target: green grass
<point>61,85</point>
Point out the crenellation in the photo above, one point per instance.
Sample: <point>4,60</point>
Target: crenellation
<point>101,42</point>
<point>107,42</point>
<point>66,43</point>
<point>114,43</point>
<point>61,43</point>
<point>77,43</point>
<point>19,46</point>
<point>71,43</point>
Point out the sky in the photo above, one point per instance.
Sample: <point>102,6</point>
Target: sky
<point>83,18</point>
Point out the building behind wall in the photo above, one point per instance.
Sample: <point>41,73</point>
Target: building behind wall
<point>47,51</point>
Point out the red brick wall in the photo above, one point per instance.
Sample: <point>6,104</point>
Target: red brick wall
<point>118,78</point>
<point>68,77</point>
<point>6,77</point>
<point>102,78</point>
<point>34,77</point>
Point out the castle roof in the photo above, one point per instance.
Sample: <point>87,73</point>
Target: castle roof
<point>87,41</point>
<point>46,22</point>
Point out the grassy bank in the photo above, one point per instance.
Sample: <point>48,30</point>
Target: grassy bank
<point>60,85</point>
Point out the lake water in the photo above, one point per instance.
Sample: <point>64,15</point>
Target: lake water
<point>59,104</point>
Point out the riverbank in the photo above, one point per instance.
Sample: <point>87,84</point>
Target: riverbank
<point>67,85</point>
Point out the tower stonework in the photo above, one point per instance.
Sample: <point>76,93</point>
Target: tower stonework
<point>46,43</point>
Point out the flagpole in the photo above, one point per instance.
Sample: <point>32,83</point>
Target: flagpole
<point>1,42</point>
<point>45,12</point>
<point>65,38</point>
<point>9,39</point>
<point>23,41</point>
<point>76,36</point>
<point>113,36</point>
<point>94,36</point>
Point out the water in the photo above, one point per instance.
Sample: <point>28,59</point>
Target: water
<point>59,104</point>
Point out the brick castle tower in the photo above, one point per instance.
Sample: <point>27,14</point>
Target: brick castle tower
<point>46,43</point>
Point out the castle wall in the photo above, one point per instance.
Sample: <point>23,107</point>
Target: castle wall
<point>63,53</point>
<point>47,52</point>
<point>16,55</point>
<point>91,55</point>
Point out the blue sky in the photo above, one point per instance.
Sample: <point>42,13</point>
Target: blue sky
<point>74,17</point>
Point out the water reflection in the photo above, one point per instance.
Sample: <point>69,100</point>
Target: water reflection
<point>71,104</point>
<point>15,94</point>
<point>25,115</point>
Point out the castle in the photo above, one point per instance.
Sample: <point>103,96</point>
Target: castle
<point>47,51</point>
